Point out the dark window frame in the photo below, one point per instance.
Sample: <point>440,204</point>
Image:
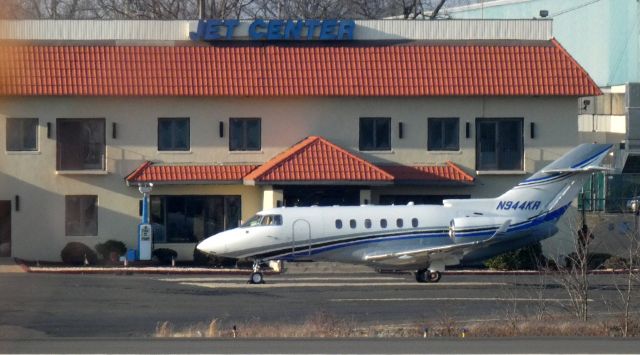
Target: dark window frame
<point>501,161</point>
<point>22,141</point>
<point>399,222</point>
<point>72,148</point>
<point>414,222</point>
<point>383,223</point>
<point>243,145</point>
<point>440,124</point>
<point>338,224</point>
<point>374,144</point>
<point>173,216</point>
<point>174,145</point>
<point>84,227</point>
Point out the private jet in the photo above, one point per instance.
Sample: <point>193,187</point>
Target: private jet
<point>419,238</point>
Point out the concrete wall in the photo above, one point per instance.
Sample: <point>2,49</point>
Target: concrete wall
<point>38,228</point>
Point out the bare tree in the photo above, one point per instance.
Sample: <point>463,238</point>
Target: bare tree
<point>573,272</point>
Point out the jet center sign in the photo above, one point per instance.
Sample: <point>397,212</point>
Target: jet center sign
<point>274,30</point>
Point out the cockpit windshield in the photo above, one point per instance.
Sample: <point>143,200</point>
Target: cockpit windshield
<point>263,220</point>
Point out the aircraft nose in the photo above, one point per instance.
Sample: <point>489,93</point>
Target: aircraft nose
<point>212,245</point>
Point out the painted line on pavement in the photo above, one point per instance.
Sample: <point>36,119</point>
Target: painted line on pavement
<point>464,299</point>
<point>276,278</point>
<point>219,285</point>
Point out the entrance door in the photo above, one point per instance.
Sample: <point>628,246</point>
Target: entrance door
<point>301,238</point>
<point>5,228</point>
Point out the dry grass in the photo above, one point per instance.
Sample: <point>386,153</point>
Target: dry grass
<point>322,325</point>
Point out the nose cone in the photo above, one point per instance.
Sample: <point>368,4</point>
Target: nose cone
<point>213,245</point>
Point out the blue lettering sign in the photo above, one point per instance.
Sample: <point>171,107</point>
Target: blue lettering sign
<point>311,27</point>
<point>276,30</point>
<point>518,205</point>
<point>328,30</point>
<point>253,29</point>
<point>293,30</point>
<point>231,27</point>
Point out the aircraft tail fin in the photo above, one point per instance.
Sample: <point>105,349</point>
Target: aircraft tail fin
<point>554,186</point>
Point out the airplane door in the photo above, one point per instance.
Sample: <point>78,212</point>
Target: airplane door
<point>301,238</point>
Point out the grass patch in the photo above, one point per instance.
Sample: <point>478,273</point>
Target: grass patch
<point>323,325</point>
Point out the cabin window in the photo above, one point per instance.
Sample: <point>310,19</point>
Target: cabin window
<point>252,222</point>
<point>272,220</point>
<point>338,223</point>
<point>367,223</point>
<point>352,223</point>
<point>383,223</point>
<point>414,222</point>
<point>399,222</point>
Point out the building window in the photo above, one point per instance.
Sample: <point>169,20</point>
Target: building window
<point>443,134</point>
<point>338,224</point>
<point>22,134</point>
<point>190,219</point>
<point>173,133</point>
<point>245,134</point>
<point>81,215</point>
<point>375,133</point>
<point>499,144</point>
<point>80,144</point>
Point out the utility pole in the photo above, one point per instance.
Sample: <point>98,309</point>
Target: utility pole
<point>202,9</point>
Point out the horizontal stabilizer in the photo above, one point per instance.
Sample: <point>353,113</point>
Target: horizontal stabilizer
<point>450,248</point>
<point>589,168</point>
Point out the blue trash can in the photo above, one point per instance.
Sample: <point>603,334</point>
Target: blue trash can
<point>131,255</point>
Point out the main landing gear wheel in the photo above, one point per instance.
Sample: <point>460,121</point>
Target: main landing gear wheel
<point>426,275</point>
<point>256,278</point>
<point>434,276</point>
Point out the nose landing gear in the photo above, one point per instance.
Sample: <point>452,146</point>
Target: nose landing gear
<point>426,275</point>
<point>256,277</point>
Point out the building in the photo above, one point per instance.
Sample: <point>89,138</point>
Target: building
<point>379,112</point>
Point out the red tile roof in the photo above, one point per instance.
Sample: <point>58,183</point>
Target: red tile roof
<point>315,159</point>
<point>149,172</point>
<point>455,69</point>
<point>428,173</point>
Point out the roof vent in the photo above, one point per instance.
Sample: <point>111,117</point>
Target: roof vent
<point>544,13</point>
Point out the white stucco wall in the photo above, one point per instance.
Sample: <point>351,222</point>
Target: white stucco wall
<point>38,228</point>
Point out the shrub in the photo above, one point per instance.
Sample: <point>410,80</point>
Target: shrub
<point>615,262</point>
<point>164,255</point>
<point>527,258</point>
<point>74,253</point>
<point>110,247</point>
<point>594,260</point>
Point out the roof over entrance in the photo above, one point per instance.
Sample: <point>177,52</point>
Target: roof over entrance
<point>541,68</point>
<point>189,174</point>
<point>315,159</point>
<point>312,161</point>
